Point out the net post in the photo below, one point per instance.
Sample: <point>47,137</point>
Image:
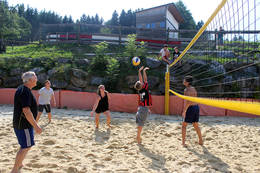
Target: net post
<point>167,87</point>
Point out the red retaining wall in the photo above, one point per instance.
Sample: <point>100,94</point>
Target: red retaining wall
<point>122,102</point>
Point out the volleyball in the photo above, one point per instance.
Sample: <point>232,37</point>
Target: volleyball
<point>136,61</point>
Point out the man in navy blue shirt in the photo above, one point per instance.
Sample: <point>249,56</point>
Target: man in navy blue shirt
<point>24,115</point>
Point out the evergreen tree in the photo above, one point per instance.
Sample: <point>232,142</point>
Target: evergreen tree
<point>83,19</point>
<point>65,19</point>
<point>114,19</point>
<point>123,19</point>
<point>70,20</point>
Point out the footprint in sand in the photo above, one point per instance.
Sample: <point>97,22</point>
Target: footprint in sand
<point>109,158</point>
<point>98,165</point>
<point>47,171</point>
<point>209,138</point>
<point>2,134</point>
<point>49,142</point>
<point>46,154</point>
<point>5,160</point>
<point>72,170</point>
<point>167,135</point>
<point>91,155</point>
<point>35,165</point>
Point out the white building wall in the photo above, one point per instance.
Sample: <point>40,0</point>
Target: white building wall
<point>171,21</point>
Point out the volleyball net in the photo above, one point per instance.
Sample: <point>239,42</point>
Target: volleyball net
<point>223,58</point>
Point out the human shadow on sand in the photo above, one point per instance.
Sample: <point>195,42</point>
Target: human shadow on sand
<point>158,161</point>
<point>102,136</point>
<point>215,162</point>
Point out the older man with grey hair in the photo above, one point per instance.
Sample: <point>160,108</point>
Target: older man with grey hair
<point>24,115</point>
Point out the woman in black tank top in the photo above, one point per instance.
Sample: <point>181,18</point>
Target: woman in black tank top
<point>101,105</point>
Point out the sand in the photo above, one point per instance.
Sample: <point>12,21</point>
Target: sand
<point>71,144</point>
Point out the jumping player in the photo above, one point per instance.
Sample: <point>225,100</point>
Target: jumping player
<point>190,112</point>
<point>46,95</point>
<point>101,105</point>
<point>144,101</point>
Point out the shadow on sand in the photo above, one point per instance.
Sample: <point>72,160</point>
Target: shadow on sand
<point>102,136</point>
<point>215,162</point>
<point>158,161</point>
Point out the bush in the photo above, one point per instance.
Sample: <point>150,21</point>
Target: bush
<point>100,61</point>
<point>112,74</point>
<point>132,49</point>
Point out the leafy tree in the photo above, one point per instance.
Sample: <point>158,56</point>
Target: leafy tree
<point>188,23</point>
<point>100,61</point>
<point>132,49</point>
<point>12,26</point>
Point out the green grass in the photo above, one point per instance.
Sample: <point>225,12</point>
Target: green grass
<point>67,50</point>
<point>36,51</point>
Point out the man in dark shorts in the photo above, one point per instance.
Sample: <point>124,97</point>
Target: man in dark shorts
<point>24,115</point>
<point>144,102</point>
<point>190,112</point>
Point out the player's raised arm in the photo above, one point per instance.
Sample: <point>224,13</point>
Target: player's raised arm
<point>144,74</point>
<point>140,74</point>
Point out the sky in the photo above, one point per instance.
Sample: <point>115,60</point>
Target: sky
<point>200,9</point>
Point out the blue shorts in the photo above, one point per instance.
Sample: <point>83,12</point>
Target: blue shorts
<point>192,114</point>
<point>25,137</point>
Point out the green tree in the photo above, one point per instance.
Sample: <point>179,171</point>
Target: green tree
<point>12,26</point>
<point>131,49</point>
<point>123,19</point>
<point>100,61</point>
<point>199,25</point>
<point>114,19</point>
<point>188,23</point>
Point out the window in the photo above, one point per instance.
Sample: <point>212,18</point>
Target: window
<point>139,26</point>
<point>153,25</point>
<point>162,24</point>
<point>148,25</point>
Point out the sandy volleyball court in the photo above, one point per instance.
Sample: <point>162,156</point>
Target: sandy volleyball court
<point>71,144</point>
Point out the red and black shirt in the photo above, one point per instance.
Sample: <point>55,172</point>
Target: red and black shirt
<point>145,98</point>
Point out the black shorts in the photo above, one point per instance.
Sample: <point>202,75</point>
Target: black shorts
<point>101,109</point>
<point>46,107</point>
<point>192,114</point>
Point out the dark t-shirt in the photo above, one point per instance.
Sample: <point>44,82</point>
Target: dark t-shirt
<point>145,98</point>
<point>23,98</point>
<point>175,55</point>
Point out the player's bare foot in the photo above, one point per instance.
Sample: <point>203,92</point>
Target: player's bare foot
<point>20,167</point>
<point>201,142</point>
<point>184,145</point>
<point>139,140</point>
